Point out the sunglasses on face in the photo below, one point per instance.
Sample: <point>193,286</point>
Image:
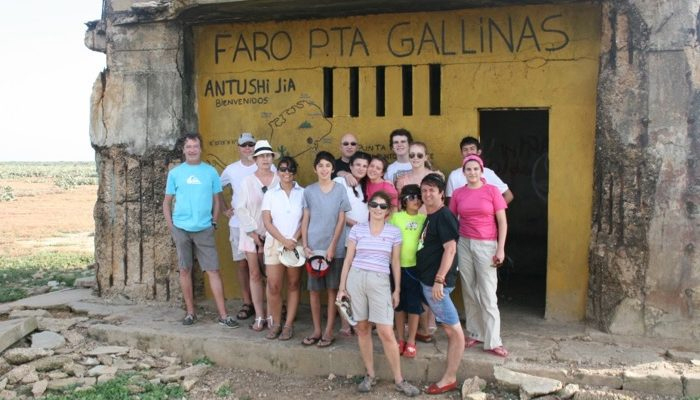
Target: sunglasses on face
<point>412,197</point>
<point>247,144</point>
<point>374,204</point>
<point>287,169</point>
<point>416,155</point>
<point>349,143</point>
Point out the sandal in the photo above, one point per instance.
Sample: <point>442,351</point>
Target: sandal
<point>274,332</point>
<point>498,351</point>
<point>246,311</point>
<point>410,350</point>
<point>349,332</point>
<point>287,333</point>
<point>471,343</point>
<point>310,340</point>
<point>424,338</point>
<point>325,342</point>
<point>258,325</point>
<point>402,347</point>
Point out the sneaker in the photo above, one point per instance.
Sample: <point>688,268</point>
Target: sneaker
<point>189,319</point>
<point>407,389</point>
<point>346,310</point>
<point>366,384</point>
<point>228,322</point>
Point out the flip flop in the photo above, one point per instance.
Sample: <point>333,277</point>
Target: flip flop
<point>471,343</point>
<point>310,340</point>
<point>424,338</point>
<point>498,351</point>
<point>246,311</point>
<point>325,342</point>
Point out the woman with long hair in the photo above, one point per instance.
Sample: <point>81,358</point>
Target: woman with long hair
<point>420,166</point>
<point>281,213</point>
<point>481,210</point>
<point>373,252</point>
<point>376,182</point>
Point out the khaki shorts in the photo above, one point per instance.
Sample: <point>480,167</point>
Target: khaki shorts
<point>202,243</point>
<point>272,255</point>
<point>234,238</point>
<point>370,296</point>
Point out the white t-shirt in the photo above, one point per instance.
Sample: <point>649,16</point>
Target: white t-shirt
<point>233,175</point>
<point>395,168</point>
<point>359,211</point>
<point>457,180</point>
<point>286,211</point>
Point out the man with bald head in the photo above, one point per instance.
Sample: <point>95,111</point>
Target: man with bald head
<point>348,147</point>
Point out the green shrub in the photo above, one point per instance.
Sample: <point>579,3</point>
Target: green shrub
<point>6,193</point>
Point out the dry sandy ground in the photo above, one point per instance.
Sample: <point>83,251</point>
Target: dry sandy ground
<point>44,217</point>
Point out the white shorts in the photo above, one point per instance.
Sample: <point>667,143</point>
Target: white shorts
<point>234,238</point>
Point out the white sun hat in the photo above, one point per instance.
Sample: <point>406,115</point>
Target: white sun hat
<point>292,258</point>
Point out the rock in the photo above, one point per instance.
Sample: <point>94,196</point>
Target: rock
<point>40,290</point>
<point>331,376</point>
<point>28,313</point>
<point>695,362</point>
<point>189,383</point>
<point>73,337</point>
<point>18,373</point>
<point>568,392</point>
<point>102,370</point>
<point>681,356</point>
<point>114,318</point>
<point>155,381</point>
<point>57,375</point>
<point>107,350</point>
<point>4,367</point>
<point>105,359</point>
<point>89,361</point>
<point>50,363</point>
<point>105,378</point>
<point>53,284</point>
<point>39,387</point>
<point>135,389</point>
<point>171,360</point>
<point>136,353</point>
<point>601,395</point>
<point>47,340</point>
<point>692,384</point>
<point>38,275</point>
<point>3,383</point>
<point>529,386</point>
<point>58,324</point>
<point>475,396</point>
<point>657,378</point>
<point>143,366</point>
<point>31,377</point>
<point>64,383</point>
<point>15,329</point>
<point>22,355</point>
<point>123,365</point>
<point>74,369</point>
<point>473,385</point>
<point>88,282</point>
<point>8,394</point>
<point>194,371</point>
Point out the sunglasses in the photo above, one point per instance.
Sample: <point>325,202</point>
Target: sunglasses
<point>349,143</point>
<point>374,204</point>
<point>416,155</point>
<point>412,197</point>
<point>247,144</point>
<point>287,169</point>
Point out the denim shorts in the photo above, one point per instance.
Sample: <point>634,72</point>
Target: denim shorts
<point>444,310</point>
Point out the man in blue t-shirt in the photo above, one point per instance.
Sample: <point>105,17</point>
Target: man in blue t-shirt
<point>195,187</point>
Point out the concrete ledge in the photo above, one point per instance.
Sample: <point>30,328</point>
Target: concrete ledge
<point>14,330</point>
<point>658,381</point>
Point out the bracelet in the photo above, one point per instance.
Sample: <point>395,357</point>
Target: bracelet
<point>440,280</point>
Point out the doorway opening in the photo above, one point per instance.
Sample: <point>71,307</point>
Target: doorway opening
<point>515,145</point>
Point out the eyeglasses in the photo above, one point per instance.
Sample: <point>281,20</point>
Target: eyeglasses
<point>416,155</point>
<point>247,144</point>
<point>349,143</point>
<point>412,197</point>
<point>374,204</point>
<point>287,169</point>
<point>264,189</point>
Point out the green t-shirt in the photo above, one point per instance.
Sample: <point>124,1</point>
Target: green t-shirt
<point>411,227</point>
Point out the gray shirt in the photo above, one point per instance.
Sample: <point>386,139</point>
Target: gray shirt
<point>324,209</point>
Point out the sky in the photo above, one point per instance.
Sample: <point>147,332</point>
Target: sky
<point>46,77</point>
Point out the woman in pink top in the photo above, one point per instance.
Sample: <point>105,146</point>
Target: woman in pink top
<point>375,180</point>
<point>481,211</point>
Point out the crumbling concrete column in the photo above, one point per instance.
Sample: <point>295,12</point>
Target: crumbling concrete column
<point>137,117</point>
<point>645,271</point>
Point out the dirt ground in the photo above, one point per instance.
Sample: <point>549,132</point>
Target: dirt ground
<point>44,217</point>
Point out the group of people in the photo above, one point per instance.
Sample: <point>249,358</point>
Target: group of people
<point>391,238</point>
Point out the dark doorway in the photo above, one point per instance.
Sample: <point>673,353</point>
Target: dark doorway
<point>515,144</point>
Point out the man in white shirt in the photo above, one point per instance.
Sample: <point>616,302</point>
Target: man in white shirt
<point>399,140</point>
<point>471,146</point>
<point>233,175</point>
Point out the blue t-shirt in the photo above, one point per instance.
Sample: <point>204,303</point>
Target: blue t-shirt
<point>194,187</point>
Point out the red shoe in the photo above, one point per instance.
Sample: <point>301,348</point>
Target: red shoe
<point>435,389</point>
<point>402,347</point>
<point>424,338</point>
<point>410,350</point>
<point>498,351</point>
<point>471,343</point>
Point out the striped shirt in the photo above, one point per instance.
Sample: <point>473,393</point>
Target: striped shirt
<point>373,253</point>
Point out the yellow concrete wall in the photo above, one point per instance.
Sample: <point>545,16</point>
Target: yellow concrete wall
<point>551,62</point>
